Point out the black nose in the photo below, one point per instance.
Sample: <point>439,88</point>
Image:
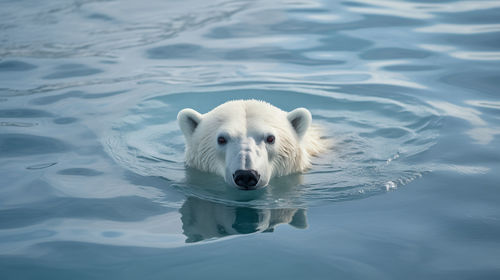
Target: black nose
<point>246,179</point>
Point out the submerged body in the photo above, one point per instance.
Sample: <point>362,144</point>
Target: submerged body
<point>249,141</point>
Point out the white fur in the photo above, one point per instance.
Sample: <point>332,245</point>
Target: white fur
<point>246,124</point>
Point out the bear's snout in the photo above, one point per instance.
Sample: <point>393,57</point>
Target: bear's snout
<point>246,179</point>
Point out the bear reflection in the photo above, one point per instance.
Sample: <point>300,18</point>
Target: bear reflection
<point>203,219</point>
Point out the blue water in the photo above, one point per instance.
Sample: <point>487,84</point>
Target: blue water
<point>92,180</point>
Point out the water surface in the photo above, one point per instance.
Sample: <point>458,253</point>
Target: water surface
<point>93,183</point>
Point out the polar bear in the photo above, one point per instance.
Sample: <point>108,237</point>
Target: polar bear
<point>248,142</point>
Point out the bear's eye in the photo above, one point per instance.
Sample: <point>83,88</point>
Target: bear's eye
<point>221,140</point>
<point>270,139</point>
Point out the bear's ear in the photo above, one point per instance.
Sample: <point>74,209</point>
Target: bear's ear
<point>188,120</point>
<point>299,219</point>
<point>300,119</point>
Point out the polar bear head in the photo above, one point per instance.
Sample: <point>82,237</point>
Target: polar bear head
<point>249,141</point>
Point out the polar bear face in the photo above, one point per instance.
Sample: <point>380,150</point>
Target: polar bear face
<point>247,141</point>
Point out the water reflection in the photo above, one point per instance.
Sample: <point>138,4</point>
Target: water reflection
<point>203,219</point>
<point>215,210</point>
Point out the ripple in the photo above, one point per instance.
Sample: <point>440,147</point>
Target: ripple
<point>174,51</point>
<point>79,172</point>
<point>460,28</point>
<point>72,70</point>
<point>375,138</point>
<point>481,82</point>
<point>476,55</point>
<point>18,145</point>
<point>74,94</point>
<point>66,120</point>
<point>116,209</point>
<point>24,113</point>
<point>105,31</point>
<point>99,16</point>
<point>393,53</point>
<point>15,65</point>
<point>420,10</point>
<point>410,67</point>
<point>18,124</point>
<point>393,132</point>
<point>41,166</point>
<point>191,51</point>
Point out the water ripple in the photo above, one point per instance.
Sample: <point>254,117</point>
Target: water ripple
<point>403,88</point>
<point>374,138</point>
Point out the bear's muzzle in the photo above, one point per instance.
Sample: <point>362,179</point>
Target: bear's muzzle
<point>246,179</point>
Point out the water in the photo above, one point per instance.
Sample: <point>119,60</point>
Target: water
<point>91,160</point>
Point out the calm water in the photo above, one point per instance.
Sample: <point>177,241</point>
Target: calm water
<point>92,181</point>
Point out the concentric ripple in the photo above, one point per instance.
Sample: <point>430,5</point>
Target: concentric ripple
<point>375,144</point>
